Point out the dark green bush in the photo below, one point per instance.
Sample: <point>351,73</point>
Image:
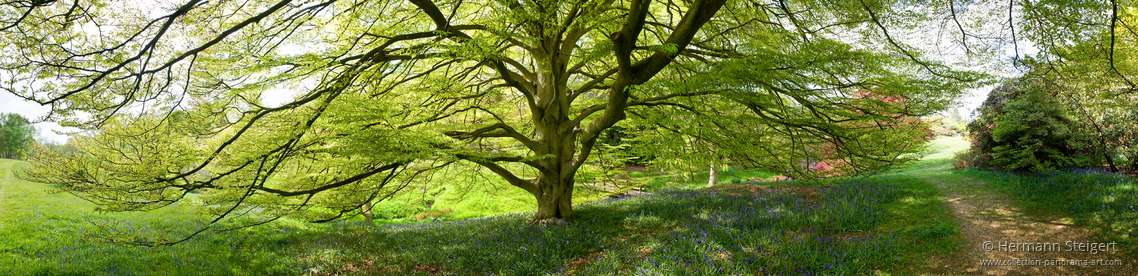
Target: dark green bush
<point>1121,131</point>
<point>1034,134</point>
<point>1022,128</point>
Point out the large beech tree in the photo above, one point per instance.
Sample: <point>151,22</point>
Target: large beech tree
<point>388,90</point>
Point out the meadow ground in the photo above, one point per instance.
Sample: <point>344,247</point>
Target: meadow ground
<point>910,221</point>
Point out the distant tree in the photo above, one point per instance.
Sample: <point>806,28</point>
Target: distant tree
<point>16,135</point>
<point>897,131</point>
<point>950,124</point>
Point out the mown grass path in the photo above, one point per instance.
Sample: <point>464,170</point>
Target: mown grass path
<point>6,176</point>
<point>986,215</point>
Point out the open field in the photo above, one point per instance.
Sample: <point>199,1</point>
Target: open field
<point>851,227</point>
<point>45,232</point>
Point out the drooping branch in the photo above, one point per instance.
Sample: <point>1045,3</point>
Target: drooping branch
<point>508,76</point>
<point>1113,24</point>
<point>1015,41</point>
<point>692,22</point>
<point>591,84</point>
<point>963,34</point>
<point>170,19</point>
<point>653,101</point>
<point>504,173</point>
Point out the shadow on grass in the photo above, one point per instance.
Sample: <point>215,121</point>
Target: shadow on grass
<point>1103,201</point>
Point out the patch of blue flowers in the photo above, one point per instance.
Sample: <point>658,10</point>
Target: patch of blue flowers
<point>674,232</point>
<point>57,240</point>
<point>826,231</point>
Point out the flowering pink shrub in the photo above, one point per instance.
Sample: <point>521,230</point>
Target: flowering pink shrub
<point>897,130</point>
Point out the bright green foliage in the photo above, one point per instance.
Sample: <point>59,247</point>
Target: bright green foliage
<point>390,91</point>
<point>1103,110</point>
<point>1121,132</point>
<point>946,125</point>
<point>769,119</point>
<point>16,134</point>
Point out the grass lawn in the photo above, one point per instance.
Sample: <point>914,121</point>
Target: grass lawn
<point>45,232</point>
<point>878,225</point>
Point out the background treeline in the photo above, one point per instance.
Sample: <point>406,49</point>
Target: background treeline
<point>19,139</point>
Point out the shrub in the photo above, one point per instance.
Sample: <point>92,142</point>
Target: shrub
<point>443,213</point>
<point>963,159</point>
<point>1121,131</point>
<point>1021,128</point>
<point>1035,135</point>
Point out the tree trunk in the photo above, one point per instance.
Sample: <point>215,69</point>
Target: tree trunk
<point>555,203</point>
<point>1109,160</point>
<point>366,211</point>
<point>713,177</point>
<point>1105,149</point>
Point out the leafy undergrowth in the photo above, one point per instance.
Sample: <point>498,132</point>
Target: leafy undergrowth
<point>1103,201</point>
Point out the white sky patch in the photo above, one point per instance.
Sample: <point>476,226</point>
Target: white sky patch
<point>990,41</point>
<point>280,96</point>
<point>975,97</point>
<point>277,96</point>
